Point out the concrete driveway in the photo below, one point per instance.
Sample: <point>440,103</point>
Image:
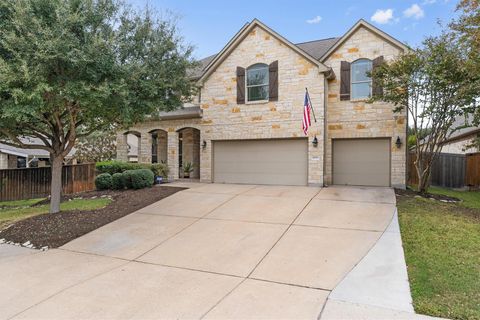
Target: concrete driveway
<point>213,251</point>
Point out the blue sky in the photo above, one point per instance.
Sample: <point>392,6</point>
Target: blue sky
<point>209,24</point>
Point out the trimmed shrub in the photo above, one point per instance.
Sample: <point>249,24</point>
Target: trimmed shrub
<point>117,166</point>
<point>127,179</point>
<point>112,167</point>
<point>103,181</point>
<point>138,179</point>
<point>118,181</point>
<point>142,178</point>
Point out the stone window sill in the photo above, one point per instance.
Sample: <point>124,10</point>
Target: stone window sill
<point>257,102</point>
<point>360,100</point>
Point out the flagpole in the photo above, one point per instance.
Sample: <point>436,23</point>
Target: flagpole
<point>311,105</point>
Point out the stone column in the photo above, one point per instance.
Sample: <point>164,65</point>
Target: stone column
<point>172,155</point>
<point>122,147</point>
<point>162,146</point>
<point>205,159</point>
<point>145,148</point>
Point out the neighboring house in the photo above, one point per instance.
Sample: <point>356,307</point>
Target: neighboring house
<point>461,140</point>
<point>246,123</point>
<point>13,158</point>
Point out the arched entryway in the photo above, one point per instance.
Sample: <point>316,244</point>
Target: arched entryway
<point>159,146</point>
<point>132,139</point>
<point>189,152</point>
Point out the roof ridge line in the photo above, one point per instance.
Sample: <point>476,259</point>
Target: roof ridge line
<point>316,40</point>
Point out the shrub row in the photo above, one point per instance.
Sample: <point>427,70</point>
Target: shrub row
<point>112,167</point>
<point>130,179</point>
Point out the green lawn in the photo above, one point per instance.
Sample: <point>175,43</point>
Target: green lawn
<point>470,199</point>
<point>11,211</point>
<point>19,203</point>
<point>442,249</point>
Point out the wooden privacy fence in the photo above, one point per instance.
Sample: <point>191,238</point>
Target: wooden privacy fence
<point>472,175</point>
<point>450,170</point>
<point>27,183</point>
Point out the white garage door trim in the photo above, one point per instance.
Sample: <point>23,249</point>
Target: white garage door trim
<point>260,161</point>
<point>363,161</point>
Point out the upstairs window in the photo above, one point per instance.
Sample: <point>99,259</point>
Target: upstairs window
<point>257,82</point>
<point>361,82</point>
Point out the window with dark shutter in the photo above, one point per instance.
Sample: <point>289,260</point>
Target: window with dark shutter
<point>345,80</point>
<point>240,85</point>
<point>361,86</point>
<point>273,81</point>
<point>377,90</point>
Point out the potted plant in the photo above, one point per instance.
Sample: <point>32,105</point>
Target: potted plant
<point>187,168</point>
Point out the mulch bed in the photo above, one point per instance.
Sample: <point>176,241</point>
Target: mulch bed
<point>54,230</point>
<point>413,193</point>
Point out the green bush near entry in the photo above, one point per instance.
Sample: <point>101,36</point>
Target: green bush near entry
<point>138,179</point>
<point>103,181</point>
<point>118,181</point>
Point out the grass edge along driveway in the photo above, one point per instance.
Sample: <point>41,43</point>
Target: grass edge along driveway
<point>442,249</point>
<point>13,211</point>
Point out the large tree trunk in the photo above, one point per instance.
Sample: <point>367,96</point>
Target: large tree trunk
<point>56,185</point>
<point>423,167</point>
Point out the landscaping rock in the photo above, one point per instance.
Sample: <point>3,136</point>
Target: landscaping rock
<point>25,244</point>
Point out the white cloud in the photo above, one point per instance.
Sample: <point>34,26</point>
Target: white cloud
<point>315,20</point>
<point>414,12</point>
<point>382,16</point>
<point>425,2</point>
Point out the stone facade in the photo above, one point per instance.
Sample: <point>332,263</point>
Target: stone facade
<point>224,119</point>
<point>144,131</point>
<point>358,119</point>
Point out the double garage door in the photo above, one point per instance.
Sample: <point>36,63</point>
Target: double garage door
<point>362,162</point>
<point>273,161</point>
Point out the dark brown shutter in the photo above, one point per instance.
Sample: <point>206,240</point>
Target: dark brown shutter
<point>345,80</point>
<point>240,85</point>
<point>377,90</point>
<point>273,81</point>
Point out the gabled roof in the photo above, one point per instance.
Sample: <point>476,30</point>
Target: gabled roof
<point>370,27</point>
<point>315,48</point>
<point>237,39</point>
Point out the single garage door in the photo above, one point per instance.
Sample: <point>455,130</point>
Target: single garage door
<point>361,162</point>
<point>274,161</point>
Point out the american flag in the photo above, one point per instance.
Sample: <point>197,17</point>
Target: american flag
<point>306,113</point>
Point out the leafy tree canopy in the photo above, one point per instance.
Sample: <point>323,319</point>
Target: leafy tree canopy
<point>434,85</point>
<point>72,67</point>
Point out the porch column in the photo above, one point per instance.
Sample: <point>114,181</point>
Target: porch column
<point>122,147</point>
<point>145,148</point>
<point>172,155</point>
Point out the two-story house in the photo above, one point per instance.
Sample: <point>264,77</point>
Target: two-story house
<point>245,126</point>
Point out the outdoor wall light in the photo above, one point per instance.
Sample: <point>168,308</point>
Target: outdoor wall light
<point>204,144</point>
<point>315,142</point>
<point>398,143</point>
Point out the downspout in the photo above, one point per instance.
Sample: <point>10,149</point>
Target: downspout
<point>325,101</point>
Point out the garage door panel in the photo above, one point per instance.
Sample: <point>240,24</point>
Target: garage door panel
<point>361,162</point>
<point>279,161</point>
